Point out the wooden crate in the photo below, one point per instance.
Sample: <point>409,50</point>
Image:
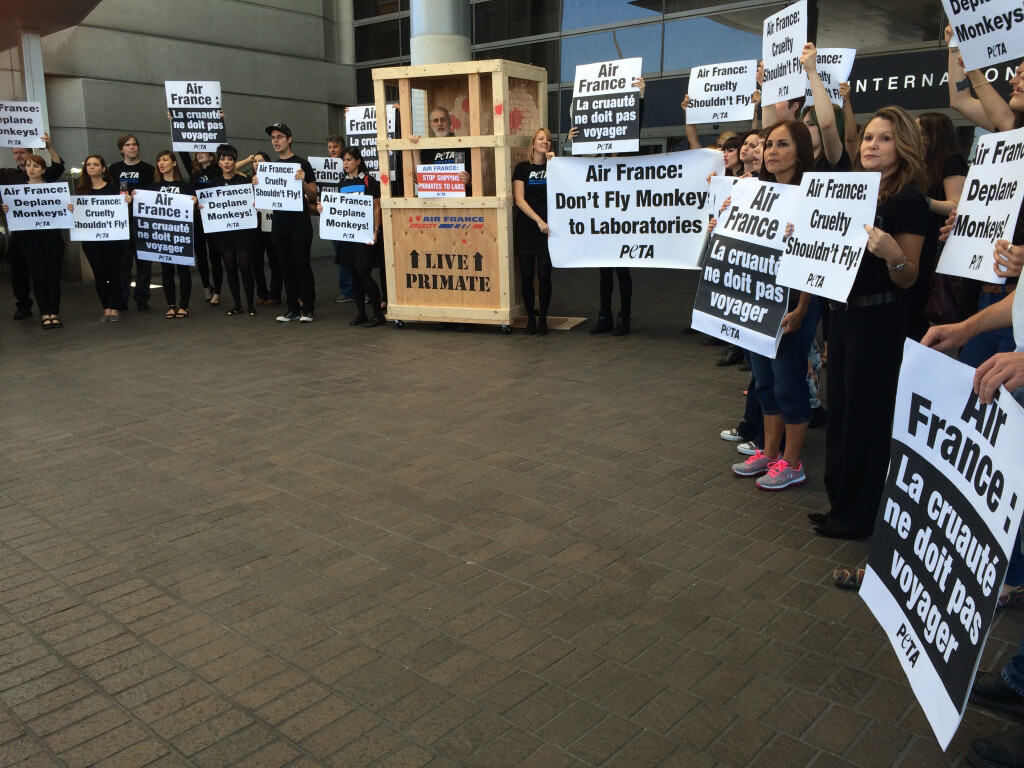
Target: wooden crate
<point>451,259</point>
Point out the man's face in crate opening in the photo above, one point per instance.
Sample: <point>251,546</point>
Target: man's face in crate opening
<point>440,122</point>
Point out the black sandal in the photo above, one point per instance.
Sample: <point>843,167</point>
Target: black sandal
<point>171,312</point>
<point>181,314</point>
<point>235,311</point>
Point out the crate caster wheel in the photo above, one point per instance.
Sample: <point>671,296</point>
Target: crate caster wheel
<point>506,329</point>
<point>399,324</point>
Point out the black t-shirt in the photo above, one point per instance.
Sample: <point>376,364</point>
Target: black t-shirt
<point>358,255</point>
<point>843,165</point>
<point>235,239</point>
<point>138,176</point>
<point>535,192</point>
<point>904,212</point>
<point>110,188</point>
<point>289,220</point>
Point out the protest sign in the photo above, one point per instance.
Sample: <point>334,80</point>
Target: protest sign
<point>21,124</point>
<point>99,217</point>
<point>361,131</point>
<point>721,189</point>
<point>834,66</point>
<point>347,216</point>
<point>36,206</point>
<point>638,212</point>
<point>988,31</point>
<point>988,207</point>
<point>440,180</point>
<point>785,34</point>
<point>606,107</point>
<point>947,523</point>
<point>278,189</point>
<point>195,109</point>
<point>328,171</point>
<point>737,297</point>
<point>721,92</point>
<point>228,207</point>
<point>163,227</point>
<point>829,238</point>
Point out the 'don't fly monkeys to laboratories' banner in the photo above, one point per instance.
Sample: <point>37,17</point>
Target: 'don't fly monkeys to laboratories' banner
<point>37,206</point>
<point>721,92</point>
<point>947,524</point>
<point>361,131</point>
<point>21,124</point>
<point>828,241</point>
<point>987,31</point>
<point>346,216</point>
<point>227,208</point>
<point>606,107</point>
<point>99,217</point>
<point>785,34</point>
<point>834,66</point>
<point>277,189</point>
<point>988,207</point>
<point>195,109</point>
<point>638,212</point>
<point>738,299</point>
<point>163,228</point>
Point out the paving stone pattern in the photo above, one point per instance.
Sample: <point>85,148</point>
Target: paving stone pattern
<point>232,542</point>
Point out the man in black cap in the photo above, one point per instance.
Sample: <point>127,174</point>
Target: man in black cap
<point>292,233</point>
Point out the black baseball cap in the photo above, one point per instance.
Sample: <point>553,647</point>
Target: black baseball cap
<point>282,127</point>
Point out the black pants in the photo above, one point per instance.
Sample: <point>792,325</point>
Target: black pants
<point>44,253</point>
<point>538,265</point>
<point>184,277</point>
<point>207,260</point>
<point>143,276</point>
<point>273,290</point>
<point>625,291</point>
<point>865,350</point>
<point>233,261</point>
<point>105,261</point>
<point>20,281</point>
<point>363,287</point>
<point>292,246</point>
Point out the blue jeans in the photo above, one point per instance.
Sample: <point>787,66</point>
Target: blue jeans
<point>344,274</point>
<point>984,345</point>
<point>781,384</point>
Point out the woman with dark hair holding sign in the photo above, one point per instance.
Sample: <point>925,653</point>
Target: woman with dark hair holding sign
<point>168,179</point>
<point>530,185</point>
<point>781,383</point>
<point>237,246</point>
<point>43,251</point>
<point>867,332</point>
<point>104,256</point>
<point>823,119</point>
<point>360,257</point>
<point>203,173</point>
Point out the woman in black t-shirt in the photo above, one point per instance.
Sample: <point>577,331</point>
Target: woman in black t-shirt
<point>236,247</point>
<point>203,173</point>
<point>361,258</point>
<point>530,185</point>
<point>866,333</point>
<point>168,179</point>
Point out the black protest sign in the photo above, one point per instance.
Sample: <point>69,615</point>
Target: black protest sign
<point>162,227</point>
<point>606,107</point>
<point>195,110</point>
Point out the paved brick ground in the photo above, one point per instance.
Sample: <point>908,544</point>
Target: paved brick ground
<point>228,542</point>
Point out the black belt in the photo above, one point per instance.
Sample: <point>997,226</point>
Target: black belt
<point>871,300</point>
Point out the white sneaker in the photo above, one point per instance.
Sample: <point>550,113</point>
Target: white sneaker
<point>747,449</point>
<point>731,435</point>
<point>306,318</point>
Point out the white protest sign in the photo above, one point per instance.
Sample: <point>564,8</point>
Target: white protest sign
<point>947,524</point>
<point>99,217</point>
<point>21,124</point>
<point>440,180</point>
<point>988,31</point>
<point>327,170</point>
<point>227,208</point>
<point>278,189</point>
<point>737,296</point>
<point>834,66</point>
<point>785,34</point>
<point>721,92</point>
<point>361,131</point>
<point>638,212</point>
<point>163,227</point>
<point>606,107</point>
<point>988,207</point>
<point>37,206</point>
<point>829,238</point>
<point>196,124</point>
<point>721,188</point>
<point>347,216</point>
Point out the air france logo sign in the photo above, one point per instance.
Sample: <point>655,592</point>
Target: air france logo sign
<point>446,222</point>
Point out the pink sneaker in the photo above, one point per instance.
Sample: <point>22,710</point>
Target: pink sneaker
<point>756,465</point>
<point>782,475</point>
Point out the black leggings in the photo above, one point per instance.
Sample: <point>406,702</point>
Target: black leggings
<point>184,277</point>
<point>363,286</point>
<point>232,261</point>
<point>539,265</point>
<point>105,261</point>
<point>205,258</point>
<point>625,291</point>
